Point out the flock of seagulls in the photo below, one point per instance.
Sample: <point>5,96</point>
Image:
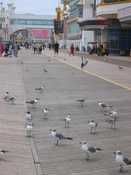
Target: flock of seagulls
<point>106,109</point>
<point>111,118</point>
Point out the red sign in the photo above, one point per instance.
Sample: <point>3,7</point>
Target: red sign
<point>40,33</point>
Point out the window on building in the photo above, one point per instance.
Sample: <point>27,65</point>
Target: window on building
<point>32,22</point>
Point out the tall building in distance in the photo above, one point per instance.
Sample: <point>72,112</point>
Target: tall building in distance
<point>24,27</point>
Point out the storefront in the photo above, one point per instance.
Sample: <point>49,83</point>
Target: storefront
<point>124,16</point>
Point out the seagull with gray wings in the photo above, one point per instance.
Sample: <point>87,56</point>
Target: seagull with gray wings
<point>104,107</point>
<point>33,102</point>
<point>81,101</point>
<point>88,149</point>
<point>121,160</point>
<point>58,136</point>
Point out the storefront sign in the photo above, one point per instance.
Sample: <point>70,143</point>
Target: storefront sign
<point>125,12</point>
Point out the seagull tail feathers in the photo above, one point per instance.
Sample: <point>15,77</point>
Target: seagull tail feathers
<point>127,161</point>
<point>68,138</point>
<point>98,149</point>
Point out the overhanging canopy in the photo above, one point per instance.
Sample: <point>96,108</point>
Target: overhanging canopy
<point>93,24</point>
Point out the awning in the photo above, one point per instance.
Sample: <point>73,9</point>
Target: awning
<point>93,24</point>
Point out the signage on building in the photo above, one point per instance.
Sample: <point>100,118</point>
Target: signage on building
<point>110,1</point>
<point>125,12</point>
<point>40,33</point>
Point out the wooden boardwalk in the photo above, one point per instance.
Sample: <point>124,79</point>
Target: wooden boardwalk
<point>19,159</point>
<point>64,86</point>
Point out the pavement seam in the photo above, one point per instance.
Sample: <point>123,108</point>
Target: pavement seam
<point>32,144</point>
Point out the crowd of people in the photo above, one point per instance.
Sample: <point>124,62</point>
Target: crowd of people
<point>12,48</point>
<point>9,49</point>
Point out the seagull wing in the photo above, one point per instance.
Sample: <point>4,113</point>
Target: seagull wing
<point>91,149</point>
<point>60,136</point>
<point>127,161</point>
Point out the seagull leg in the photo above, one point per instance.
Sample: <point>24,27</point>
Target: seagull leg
<point>57,142</point>
<point>65,123</point>
<point>68,124</point>
<point>87,156</point>
<point>82,104</point>
<point>121,168</point>
<point>91,130</point>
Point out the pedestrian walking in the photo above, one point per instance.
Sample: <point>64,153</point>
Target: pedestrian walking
<point>72,49</point>
<point>56,48</point>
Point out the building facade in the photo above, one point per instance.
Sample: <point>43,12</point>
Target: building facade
<point>78,10</point>
<point>117,34</point>
<point>24,27</point>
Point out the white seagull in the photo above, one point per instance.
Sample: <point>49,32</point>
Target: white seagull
<point>121,160</point>
<point>92,125</point>
<point>58,136</point>
<point>112,118</point>
<point>28,118</point>
<point>67,120</point>
<point>85,147</point>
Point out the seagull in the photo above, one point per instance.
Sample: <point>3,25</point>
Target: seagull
<point>2,151</point>
<point>92,125</point>
<point>120,67</point>
<point>111,121</point>
<point>121,160</point>
<point>33,102</point>
<point>58,136</point>
<point>28,118</point>
<point>81,101</point>
<point>83,64</point>
<point>7,96</point>
<point>12,99</point>
<point>67,120</point>
<point>104,107</point>
<point>45,70</point>
<point>112,118</point>
<point>85,147</point>
<point>40,89</point>
<point>45,113</point>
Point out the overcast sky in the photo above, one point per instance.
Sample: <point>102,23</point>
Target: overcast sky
<point>34,6</point>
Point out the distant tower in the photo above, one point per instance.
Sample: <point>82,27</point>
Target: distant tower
<point>11,8</point>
